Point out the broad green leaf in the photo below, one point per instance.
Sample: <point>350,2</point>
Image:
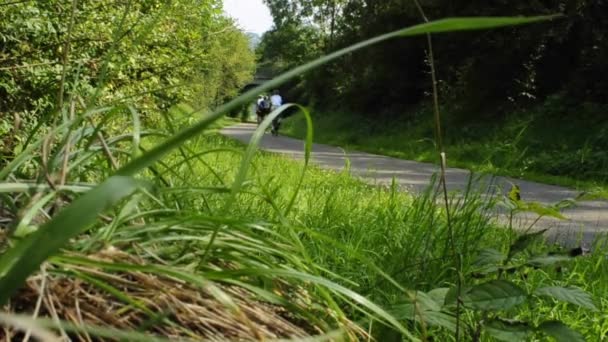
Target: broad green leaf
<point>452,295</point>
<point>439,294</point>
<point>424,301</point>
<point>541,210</point>
<point>508,331</point>
<point>428,309</point>
<point>488,260</point>
<point>440,319</point>
<point>573,295</point>
<point>489,256</point>
<point>547,260</point>
<point>24,258</point>
<point>494,295</point>
<point>523,242</point>
<point>561,332</point>
<point>404,311</point>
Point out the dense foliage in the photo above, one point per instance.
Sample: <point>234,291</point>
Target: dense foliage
<point>154,52</point>
<point>124,216</point>
<point>508,66</point>
<point>539,90</point>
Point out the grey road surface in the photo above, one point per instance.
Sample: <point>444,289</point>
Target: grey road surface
<point>586,220</point>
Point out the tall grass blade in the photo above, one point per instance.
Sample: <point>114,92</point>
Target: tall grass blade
<point>42,324</point>
<point>24,258</point>
<point>17,263</point>
<point>24,324</point>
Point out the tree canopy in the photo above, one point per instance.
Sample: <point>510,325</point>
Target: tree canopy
<point>506,68</point>
<point>156,52</point>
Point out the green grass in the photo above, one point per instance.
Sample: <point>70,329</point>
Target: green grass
<point>348,228</point>
<point>341,235</point>
<point>566,150</point>
<point>161,228</point>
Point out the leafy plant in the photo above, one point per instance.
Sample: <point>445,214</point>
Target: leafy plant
<point>490,300</point>
<point>93,220</point>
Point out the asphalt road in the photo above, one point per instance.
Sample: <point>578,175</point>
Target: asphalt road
<point>586,220</point>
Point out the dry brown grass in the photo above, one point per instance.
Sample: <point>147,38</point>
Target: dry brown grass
<point>187,311</point>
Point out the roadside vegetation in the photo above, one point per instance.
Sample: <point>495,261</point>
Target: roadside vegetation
<point>525,101</point>
<point>126,216</point>
<point>537,145</point>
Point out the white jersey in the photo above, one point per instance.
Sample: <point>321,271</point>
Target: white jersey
<point>276,100</point>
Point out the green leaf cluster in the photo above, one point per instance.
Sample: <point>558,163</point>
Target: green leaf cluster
<point>157,53</point>
<point>488,307</point>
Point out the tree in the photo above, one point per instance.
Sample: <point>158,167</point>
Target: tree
<point>506,68</point>
<point>156,52</point>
